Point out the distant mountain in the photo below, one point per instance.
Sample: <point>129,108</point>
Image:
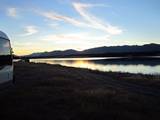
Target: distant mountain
<point>147,49</point>
<point>124,49</point>
<point>55,53</point>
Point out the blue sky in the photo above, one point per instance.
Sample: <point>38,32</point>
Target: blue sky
<point>35,26</point>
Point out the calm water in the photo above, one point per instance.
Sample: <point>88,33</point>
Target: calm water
<point>106,64</point>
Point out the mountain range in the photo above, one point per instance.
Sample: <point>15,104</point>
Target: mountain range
<point>147,49</point>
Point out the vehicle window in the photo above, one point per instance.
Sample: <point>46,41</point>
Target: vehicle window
<point>5,52</point>
<point>4,47</point>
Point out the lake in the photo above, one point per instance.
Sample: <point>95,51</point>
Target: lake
<point>145,66</point>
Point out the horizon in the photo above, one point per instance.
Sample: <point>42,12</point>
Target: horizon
<point>86,49</point>
<point>51,25</point>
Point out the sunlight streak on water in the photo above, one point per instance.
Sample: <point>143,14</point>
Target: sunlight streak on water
<point>91,64</point>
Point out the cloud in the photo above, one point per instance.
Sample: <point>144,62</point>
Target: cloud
<point>67,36</point>
<point>73,37</point>
<point>88,20</point>
<point>30,30</point>
<point>12,12</point>
<point>82,40</point>
<point>59,17</point>
<point>54,25</point>
<point>95,22</point>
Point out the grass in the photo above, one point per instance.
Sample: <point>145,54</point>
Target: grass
<point>54,92</point>
<point>140,79</point>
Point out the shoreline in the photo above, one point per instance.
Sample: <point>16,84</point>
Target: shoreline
<point>107,65</point>
<point>125,75</point>
<point>149,80</point>
<point>44,91</point>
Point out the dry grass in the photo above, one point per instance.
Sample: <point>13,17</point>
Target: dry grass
<point>140,79</point>
<point>53,92</point>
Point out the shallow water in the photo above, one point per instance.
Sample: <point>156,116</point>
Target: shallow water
<point>145,66</point>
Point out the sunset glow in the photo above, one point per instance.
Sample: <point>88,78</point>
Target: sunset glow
<point>37,26</point>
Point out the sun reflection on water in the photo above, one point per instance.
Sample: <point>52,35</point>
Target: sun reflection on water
<point>139,68</point>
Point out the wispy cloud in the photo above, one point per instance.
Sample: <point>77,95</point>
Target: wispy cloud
<point>88,20</point>
<point>67,36</point>
<point>71,40</point>
<point>30,30</point>
<point>74,37</point>
<point>53,25</point>
<point>94,21</point>
<point>12,12</point>
<point>59,17</point>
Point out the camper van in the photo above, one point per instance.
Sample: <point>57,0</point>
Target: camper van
<point>6,64</point>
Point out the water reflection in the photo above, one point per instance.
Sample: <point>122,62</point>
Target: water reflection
<point>150,66</point>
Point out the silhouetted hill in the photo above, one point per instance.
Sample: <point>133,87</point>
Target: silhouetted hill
<point>123,49</point>
<point>55,53</point>
<point>147,49</point>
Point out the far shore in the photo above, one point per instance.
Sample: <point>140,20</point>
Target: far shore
<point>44,91</point>
<point>112,57</point>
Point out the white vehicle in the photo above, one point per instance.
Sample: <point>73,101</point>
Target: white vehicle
<point>6,64</point>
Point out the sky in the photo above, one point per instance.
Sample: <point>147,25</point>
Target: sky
<point>47,25</point>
